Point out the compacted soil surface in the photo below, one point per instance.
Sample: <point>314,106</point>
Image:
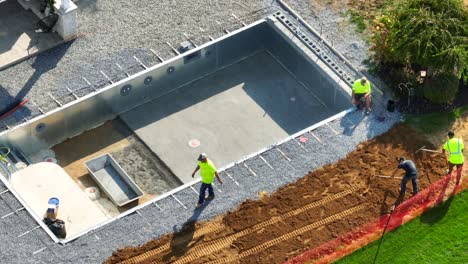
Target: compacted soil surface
<point>319,207</point>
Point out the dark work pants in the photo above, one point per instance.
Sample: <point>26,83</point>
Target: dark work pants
<point>203,188</point>
<point>414,181</point>
<point>459,170</point>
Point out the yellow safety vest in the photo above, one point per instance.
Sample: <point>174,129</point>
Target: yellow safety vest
<point>455,146</point>
<point>358,88</point>
<point>207,171</point>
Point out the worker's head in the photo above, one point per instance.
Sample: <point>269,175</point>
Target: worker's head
<point>202,157</point>
<point>451,134</point>
<point>363,80</point>
<point>401,159</point>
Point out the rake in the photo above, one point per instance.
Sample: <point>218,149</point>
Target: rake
<point>388,177</point>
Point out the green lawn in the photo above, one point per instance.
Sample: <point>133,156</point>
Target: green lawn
<point>438,236</point>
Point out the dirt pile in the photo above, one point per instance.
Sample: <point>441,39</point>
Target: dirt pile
<point>321,206</point>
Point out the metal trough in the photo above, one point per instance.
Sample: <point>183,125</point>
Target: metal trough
<point>115,182</point>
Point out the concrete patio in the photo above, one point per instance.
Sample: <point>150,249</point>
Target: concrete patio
<point>19,41</point>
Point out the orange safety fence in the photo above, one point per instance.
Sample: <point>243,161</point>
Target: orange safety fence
<point>344,245</point>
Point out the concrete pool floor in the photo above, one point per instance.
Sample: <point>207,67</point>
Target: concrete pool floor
<point>233,112</point>
<point>41,181</point>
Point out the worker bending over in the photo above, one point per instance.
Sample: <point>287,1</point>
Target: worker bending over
<point>454,147</point>
<point>411,174</point>
<point>207,173</point>
<point>362,88</point>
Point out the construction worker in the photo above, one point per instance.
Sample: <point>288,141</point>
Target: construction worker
<point>411,174</point>
<point>207,173</point>
<point>454,147</point>
<point>55,225</point>
<point>361,88</point>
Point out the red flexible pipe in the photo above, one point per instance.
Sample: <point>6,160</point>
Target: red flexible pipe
<point>12,108</point>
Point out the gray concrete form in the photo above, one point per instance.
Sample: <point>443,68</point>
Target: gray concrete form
<point>93,109</point>
<point>122,70</point>
<point>335,61</point>
<point>155,220</point>
<point>108,103</point>
<point>302,63</point>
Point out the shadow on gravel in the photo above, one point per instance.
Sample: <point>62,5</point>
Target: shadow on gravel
<point>8,102</point>
<point>182,240</point>
<point>351,121</point>
<point>43,63</point>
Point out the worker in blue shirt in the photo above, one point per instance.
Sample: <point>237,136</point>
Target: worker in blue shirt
<point>411,173</point>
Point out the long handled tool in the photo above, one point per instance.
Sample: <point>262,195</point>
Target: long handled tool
<point>388,177</point>
<point>392,209</point>
<point>423,148</point>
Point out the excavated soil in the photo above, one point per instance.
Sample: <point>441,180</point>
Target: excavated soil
<point>317,208</point>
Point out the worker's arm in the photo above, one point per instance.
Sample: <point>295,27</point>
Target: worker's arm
<point>443,153</point>
<point>217,177</point>
<point>444,148</point>
<point>196,169</point>
<point>352,98</point>
<point>369,91</point>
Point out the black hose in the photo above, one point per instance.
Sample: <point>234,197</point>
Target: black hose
<point>383,233</point>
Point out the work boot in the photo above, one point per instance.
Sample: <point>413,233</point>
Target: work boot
<point>368,111</point>
<point>199,205</point>
<point>210,197</point>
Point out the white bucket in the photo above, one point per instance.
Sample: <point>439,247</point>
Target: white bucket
<point>93,193</point>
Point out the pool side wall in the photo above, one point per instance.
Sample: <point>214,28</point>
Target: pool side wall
<point>94,109</point>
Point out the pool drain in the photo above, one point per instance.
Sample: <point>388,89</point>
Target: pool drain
<point>194,143</point>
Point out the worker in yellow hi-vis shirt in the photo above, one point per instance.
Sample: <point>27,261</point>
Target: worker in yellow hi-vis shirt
<point>207,173</point>
<point>454,147</point>
<point>361,89</point>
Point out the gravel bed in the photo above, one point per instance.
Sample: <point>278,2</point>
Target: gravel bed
<point>146,169</point>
